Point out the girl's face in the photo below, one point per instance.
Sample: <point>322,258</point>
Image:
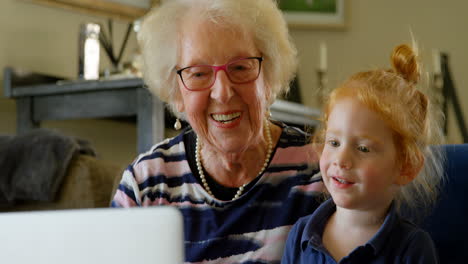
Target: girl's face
<point>358,162</point>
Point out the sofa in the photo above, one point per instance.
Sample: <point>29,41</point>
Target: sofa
<point>447,223</point>
<point>47,170</point>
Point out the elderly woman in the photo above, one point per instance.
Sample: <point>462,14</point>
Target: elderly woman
<point>240,180</point>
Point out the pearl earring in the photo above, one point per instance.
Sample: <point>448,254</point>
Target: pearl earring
<point>177,124</point>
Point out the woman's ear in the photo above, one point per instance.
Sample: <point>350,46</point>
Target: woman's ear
<point>409,171</point>
<point>179,106</point>
<point>179,102</point>
<point>268,100</point>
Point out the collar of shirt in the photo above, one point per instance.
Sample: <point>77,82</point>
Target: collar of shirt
<point>313,231</point>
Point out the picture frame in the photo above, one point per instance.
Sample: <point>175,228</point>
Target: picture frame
<point>328,14</point>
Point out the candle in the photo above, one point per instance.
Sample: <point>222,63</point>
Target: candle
<point>323,57</point>
<point>436,58</point>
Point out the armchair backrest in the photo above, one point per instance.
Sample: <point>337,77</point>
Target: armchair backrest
<point>448,221</point>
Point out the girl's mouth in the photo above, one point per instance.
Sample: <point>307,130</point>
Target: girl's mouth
<point>341,180</point>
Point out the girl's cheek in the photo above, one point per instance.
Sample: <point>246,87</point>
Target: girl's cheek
<point>323,162</point>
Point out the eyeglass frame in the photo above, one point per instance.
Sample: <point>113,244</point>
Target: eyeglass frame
<point>219,68</point>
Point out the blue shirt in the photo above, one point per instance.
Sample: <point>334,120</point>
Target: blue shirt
<point>397,241</point>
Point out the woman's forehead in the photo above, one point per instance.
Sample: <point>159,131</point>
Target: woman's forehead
<point>203,41</point>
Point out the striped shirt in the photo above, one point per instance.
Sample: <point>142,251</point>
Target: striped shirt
<point>251,229</point>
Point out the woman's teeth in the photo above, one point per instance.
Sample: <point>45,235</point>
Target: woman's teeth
<point>225,118</point>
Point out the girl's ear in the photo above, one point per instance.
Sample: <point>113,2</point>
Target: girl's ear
<point>409,171</point>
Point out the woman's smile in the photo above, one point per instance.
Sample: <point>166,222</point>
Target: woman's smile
<point>227,120</point>
<point>226,117</point>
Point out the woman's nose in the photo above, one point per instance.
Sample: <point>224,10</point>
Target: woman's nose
<point>343,158</point>
<point>222,89</point>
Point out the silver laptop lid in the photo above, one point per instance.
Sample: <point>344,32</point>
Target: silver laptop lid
<point>93,236</point>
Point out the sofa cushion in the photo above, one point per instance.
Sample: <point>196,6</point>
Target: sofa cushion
<point>447,223</point>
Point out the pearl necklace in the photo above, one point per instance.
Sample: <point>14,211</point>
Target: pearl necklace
<point>241,188</point>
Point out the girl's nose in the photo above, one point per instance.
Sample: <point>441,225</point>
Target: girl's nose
<point>343,158</point>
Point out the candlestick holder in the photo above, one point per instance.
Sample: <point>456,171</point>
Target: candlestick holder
<point>321,85</point>
<point>437,89</point>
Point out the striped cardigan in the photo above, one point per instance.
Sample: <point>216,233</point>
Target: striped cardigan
<point>250,229</point>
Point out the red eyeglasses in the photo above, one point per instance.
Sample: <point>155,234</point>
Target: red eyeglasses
<point>202,77</point>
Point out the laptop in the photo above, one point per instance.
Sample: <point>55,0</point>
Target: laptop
<point>93,236</point>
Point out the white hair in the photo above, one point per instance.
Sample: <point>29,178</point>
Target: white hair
<point>159,39</point>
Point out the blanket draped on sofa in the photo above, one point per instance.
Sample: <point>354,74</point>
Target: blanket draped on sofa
<point>34,164</point>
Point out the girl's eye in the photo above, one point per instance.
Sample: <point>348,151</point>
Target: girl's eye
<point>363,149</point>
<point>333,143</point>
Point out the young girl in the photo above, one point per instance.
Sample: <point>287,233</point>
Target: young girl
<point>375,157</point>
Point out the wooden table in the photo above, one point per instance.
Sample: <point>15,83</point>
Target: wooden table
<point>61,100</point>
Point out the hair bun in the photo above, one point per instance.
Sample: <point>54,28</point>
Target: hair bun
<point>404,61</point>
